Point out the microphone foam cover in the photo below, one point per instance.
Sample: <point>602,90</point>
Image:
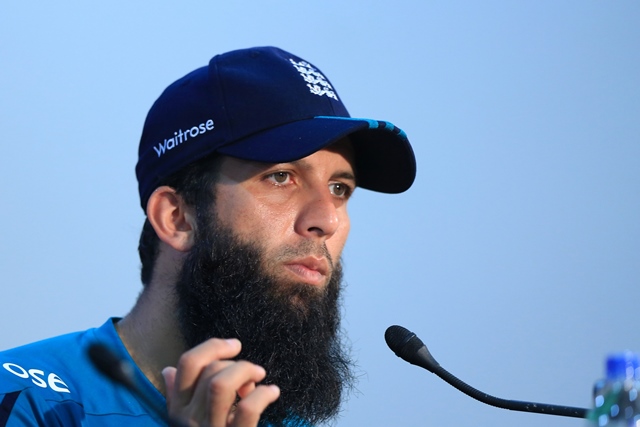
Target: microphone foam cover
<point>402,341</point>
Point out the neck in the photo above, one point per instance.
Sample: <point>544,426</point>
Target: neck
<point>150,334</point>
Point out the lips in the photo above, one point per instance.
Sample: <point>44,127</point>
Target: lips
<point>309,269</point>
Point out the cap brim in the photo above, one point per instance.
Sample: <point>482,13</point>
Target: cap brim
<point>384,159</point>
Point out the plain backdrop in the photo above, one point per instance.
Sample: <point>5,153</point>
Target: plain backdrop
<point>515,256</point>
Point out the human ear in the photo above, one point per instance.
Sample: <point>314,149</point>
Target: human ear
<point>171,218</point>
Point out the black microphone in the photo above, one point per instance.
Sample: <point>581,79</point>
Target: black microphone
<point>407,346</point>
<point>121,371</point>
<point>117,369</point>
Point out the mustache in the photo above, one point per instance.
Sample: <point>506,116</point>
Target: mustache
<point>301,250</point>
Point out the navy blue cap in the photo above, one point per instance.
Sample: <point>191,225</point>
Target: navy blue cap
<point>267,105</point>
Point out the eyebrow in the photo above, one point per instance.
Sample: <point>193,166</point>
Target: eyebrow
<point>346,175</point>
<point>301,163</point>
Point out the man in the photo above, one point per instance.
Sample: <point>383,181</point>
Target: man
<point>245,170</point>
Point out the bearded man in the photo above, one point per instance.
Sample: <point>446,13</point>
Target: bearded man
<point>245,170</point>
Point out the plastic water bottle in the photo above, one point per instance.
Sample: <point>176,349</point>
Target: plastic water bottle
<point>617,397</point>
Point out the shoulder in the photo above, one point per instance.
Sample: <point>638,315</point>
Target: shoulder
<point>54,383</point>
<point>52,365</point>
<point>43,364</point>
<point>35,383</point>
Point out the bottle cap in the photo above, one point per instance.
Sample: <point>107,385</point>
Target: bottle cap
<point>624,365</point>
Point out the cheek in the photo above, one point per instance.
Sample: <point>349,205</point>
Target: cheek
<point>273,222</point>
<point>253,218</point>
<point>337,242</point>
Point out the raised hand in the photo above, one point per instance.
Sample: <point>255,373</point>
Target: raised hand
<point>208,389</point>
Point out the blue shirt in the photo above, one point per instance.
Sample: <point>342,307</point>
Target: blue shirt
<point>54,383</point>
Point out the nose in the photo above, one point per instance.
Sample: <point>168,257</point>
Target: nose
<point>318,217</point>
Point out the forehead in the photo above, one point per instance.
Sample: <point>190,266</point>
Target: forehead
<point>339,155</point>
<point>343,147</point>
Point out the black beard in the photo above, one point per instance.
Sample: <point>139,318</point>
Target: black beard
<point>290,329</point>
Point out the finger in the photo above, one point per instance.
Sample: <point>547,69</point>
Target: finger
<point>195,410</point>
<point>224,386</point>
<point>246,389</point>
<point>250,408</point>
<point>192,363</point>
<point>169,375</point>
<point>200,398</point>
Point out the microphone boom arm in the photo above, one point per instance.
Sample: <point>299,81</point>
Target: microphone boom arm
<point>514,405</point>
<point>407,346</point>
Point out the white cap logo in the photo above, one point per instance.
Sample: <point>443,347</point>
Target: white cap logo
<point>316,82</point>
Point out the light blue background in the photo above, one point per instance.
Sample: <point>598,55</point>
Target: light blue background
<point>515,256</point>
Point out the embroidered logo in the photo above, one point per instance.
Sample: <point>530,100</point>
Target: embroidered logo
<point>179,137</point>
<point>316,82</point>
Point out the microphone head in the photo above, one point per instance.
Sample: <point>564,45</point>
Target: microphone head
<point>402,341</point>
<point>407,346</point>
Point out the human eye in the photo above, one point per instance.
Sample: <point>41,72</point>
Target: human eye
<point>340,189</point>
<point>279,178</point>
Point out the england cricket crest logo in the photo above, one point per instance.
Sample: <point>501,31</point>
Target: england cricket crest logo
<point>316,82</point>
